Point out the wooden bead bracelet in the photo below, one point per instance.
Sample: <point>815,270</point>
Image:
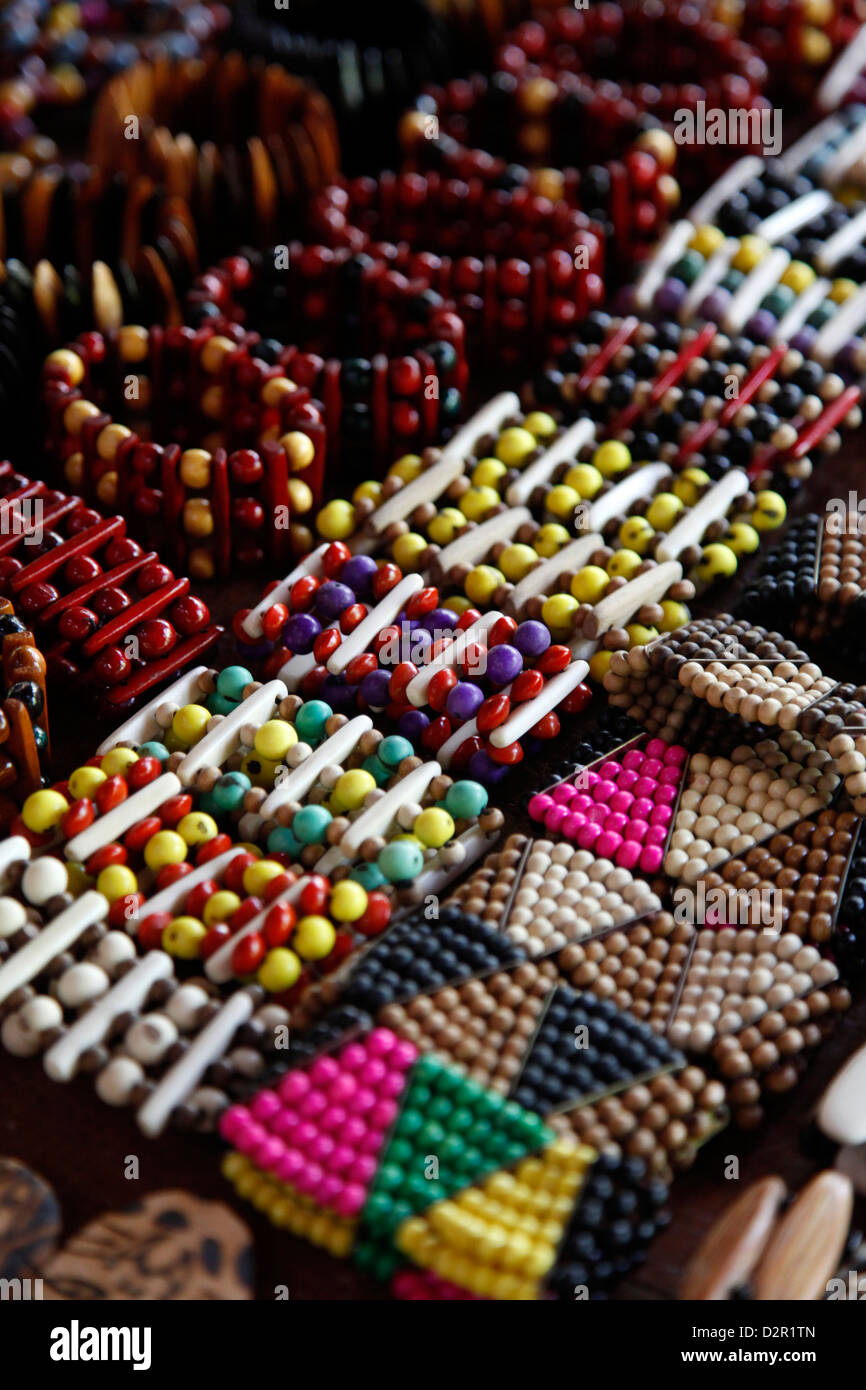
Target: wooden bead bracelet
<point>110,617</point>
<point>380,349</point>
<point>213,507</point>
<point>25,744</point>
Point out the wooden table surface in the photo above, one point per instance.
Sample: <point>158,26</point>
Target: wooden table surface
<point>81,1146</point>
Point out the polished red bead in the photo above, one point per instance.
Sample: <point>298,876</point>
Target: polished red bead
<point>155,638</point>
<point>170,874</point>
<point>376,916</point>
<point>326,644</point>
<point>334,559</point>
<point>81,569</point>
<point>249,953</point>
<point>493,712</point>
<point>279,924</point>
<point>150,930</point>
<point>139,774</point>
<point>527,685</point>
<point>281,884</point>
<point>385,578</point>
<point>121,548</point>
<point>138,835</point>
<point>153,576</point>
<point>104,857</point>
<point>467,619</point>
<point>171,812</point>
<point>246,467</point>
<point>189,615</point>
<point>406,376</point>
<point>314,895</point>
<point>502,631</point>
<point>274,620</point>
<point>548,726</point>
<point>352,616</point>
<point>303,592</point>
<point>359,667</point>
<point>211,848</point>
<point>577,700</point>
<point>422,603</point>
<point>440,688</point>
<point>110,793</point>
<point>555,659</point>
<point>249,908</point>
<point>197,897</point>
<point>80,815</point>
<point>438,731</point>
<point>111,665</point>
<point>405,672</point>
<point>123,910</point>
<point>214,939</point>
<point>111,601</point>
<point>511,754</point>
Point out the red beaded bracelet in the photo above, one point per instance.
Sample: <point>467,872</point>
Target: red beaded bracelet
<point>107,613</point>
<point>214,505</point>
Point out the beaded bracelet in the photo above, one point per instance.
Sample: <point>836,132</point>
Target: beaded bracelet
<point>399,375</point>
<point>111,617</point>
<point>24,734</point>
<point>243,145</point>
<point>238,504</point>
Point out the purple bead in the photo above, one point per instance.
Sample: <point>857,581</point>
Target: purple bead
<point>846,361</point>
<point>255,653</point>
<point>300,632</point>
<point>715,305</point>
<point>421,644</point>
<point>464,701</point>
<point>504,664</point>
<point>760,326</point>
<point>531,638</point>
<point>332,599</point>
<point>358,573</point>
<point>335,692</point>
<point>803,340</point>
<point>670,296</point>
<point>482,768</point>
<point>412,724</point>
<point>374,689</point>
<point>441,618</point>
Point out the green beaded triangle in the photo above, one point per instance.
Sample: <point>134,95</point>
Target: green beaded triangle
<point>450,1133</point>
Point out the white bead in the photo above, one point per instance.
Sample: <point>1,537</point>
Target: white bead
<point>20,1041</point>
<point>184,1004</point>
<point>41,1013</point>
<point>149,1038</point>
<point>116,1082</point>
<point>114,948</point>
<point>82,983</point>
<point>13,915</point>
<point>44,879</point>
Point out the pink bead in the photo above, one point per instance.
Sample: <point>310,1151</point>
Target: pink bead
<point>642,808</point>
<point>582,802</point>
<point>321,1149</point>
<point>597,815</point>
<point>333,1118</point>
<point>342,1090</point>
<point>651,859</point>
<point>380,1042</point>
<point>353,1130</point>
<point>393,1084</point>
<point>607,844</point>
<point>610,770</point>
<point>265,1106</point>
<point>309,1178</point>
<point>572,824</point>
<point>621,801</point>
<point>590,777</point>
<point>656,835</point>
<point>290,1165</point>
<point>342,1158</point>
<point>324,1070</point>
<point>353,1056</point>
<point>253,1134</point>
<point>676,754</point>
<point>365,1168</point>
<point>313,1105</point>
<point>633,760</point>
<point>555,816</point>
<point>362,1101</point>
<point>383,1114</point>
<point>351,1199</point>
<point>268,1154</point>
<point>305,1134</point>
<point>656,748</point>
<point>637,830</point>
<point>662,815</point>
<point>403,1055</point>
<point>563,793</point>
<point>588,835</point>
<point>603,789</point>
<point>539,805</point>
<point>626,780</point>
<point>285,1124</point>
<point>670,776</point>
<point>329,1190</point>
<point>373,1073</point>
<point>665,796</point>
<point>293,1086</point>
<point>652,768</point>
<point>616,821</point>
<point>233,1121</point>
<point>628,854</point>
<point>645,786</point>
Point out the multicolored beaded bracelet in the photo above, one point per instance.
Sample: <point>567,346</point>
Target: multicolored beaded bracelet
<point>111,617</point>
<point>212,506</point>
<point>380,348</point>
<point>25,745</point>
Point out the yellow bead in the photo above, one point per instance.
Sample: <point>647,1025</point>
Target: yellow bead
<point>274,739</point>
<point>276,389</point>
<point>190,723</point>
<point>434,827</point>
<point>598,665</point>
<point>676,615</point>
<point>641,635</point>
<point>841,290</point>
<point>514,445</point>
<point>69,362</point>
<point>407,551</point>
<point>197,828</point>
<point>558,611</point>
<point>370,491</point>
<point>457,603</point>
<point>488,472</point>
<point>220,906</point>
<point>690,485</point>
<point>815,46</point>
<point>446,526</point>
<point>612,457</point>
<point>183,937</point>
<point>707,240</point>
<point>550,538</point>
<point>200,563</point>
<point>516,561</point>
<point>301,497</point>
<point>348,901</point>
<point>539,423</point>
<point>106,488</point>
<point>85,780</point>
<point>76,415</point>
<point>589,584</point>
<point>314,938</point>
<point>43,810</point>
<point>351,790</point>
<point>750,252</point>
<point>165,847</point>
<point>195,466</point>
<point>256,877</point>
<point>279,970</point>
<point>623,564</point>
<point>717,562</point>
<point>336,521</point>
<point>561,500</point>
<point>586,480</point>
<point>742,538</point>
<point>198,517</point>
<point>117,761</point>
<point>261,771</point>
<point>636,534</point>
<point>818,12</point>
<point>660,144</point>
<point>770,511</point>
<point>797,276</point>
<point>300,450</point>
<point>476,502</point>
<point>406,468</point>
<point>482,583</point>
<point>116,881</point>
<point>109,440</point>
<point>663,511</point>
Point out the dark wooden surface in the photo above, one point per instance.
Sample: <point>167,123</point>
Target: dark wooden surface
<point>81,1146</point>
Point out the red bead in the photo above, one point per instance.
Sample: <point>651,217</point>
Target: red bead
<point>153,576</point>
<point>218,845</point>
<point>249,954</point>
<point>401,676</point>
<point>514,278</point>
<point>548,727</point>
<point>80,570</point>
<point>246,467</point>
<point>111,666</point>
<point>422,603</point>
<point>578,700</point>
<point>170,874</point>
<point>104,857</point>
<point>352,616</point>
<point>511,754</point>
<point>80,815</point>
<point>189,615</point>
<point>467,619</point>
<point>440,688</point>
<point>527,685</point>
<point>174,810</point>
<point>314,896</point>
<point>111,601</point>
<point>385,578</point>
<point>555,659</point>
<point>359,667</point>
<point>139,774</point>
<point>274,621</point>
<point>468,748</point>
<point>326,644</point>
<point>248,513</point>
<point>123,910</point>
<point>279,924</point>
<point>493,712</point>
<point>387,637</point>
<point>198,896</point>
<point>122,548</point>
<point>34,598</point>
<point>502,631</point>
<point>150,931</point>
<point>376,916</point>
<point>138,835</point>
<point>155,639</point>
<point>281,884</point>
<point>438,731</point>
<point>303,592</point>
<point>110,793</point>
<point>249,908</point>
<point>215,938</point>
<point>334,559</point>
<point>406,376</point>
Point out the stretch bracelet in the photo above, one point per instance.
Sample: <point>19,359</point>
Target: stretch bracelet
<point>111,618</point>
<point>380,349</point>
<point>213,506</point>
<point>243,145</point>
<point>25,745</point>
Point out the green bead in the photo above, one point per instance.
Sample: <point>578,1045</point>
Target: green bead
<point>779,300</point>
<point>376,769</point>
<point>451,403</point>
<point>400,861</point>
<point>393,749</point>
<point>218,704</point>
<point>153,749</point>
<point>390,1177</point>
<point>439,1108</point>
<point>311,719</point>
<point>410,1122</point>
<point>282,841</point>
<point>822,314</point>
<point>733,280</point>
<point>420,1190</point>
<point>465,800</point>
<point>400,1151</point>
<point>688,267</point>
<point>432,1134</point>
<point>310,824</point>
<point>471,1160</point>
<point>369,876</point>
<point>451,1148</point>
<point>231,682</point>
<point>230,790</point>
<point>427,1068</point>
<point>209,804</point>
